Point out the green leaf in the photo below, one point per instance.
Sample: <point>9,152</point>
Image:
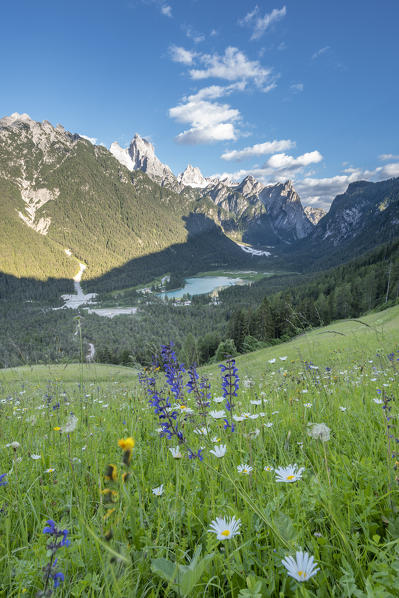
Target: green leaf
<point>165,569</point>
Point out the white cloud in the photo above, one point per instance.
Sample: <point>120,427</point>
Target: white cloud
<point>207,134</point>
<point>259,149</point>
<point>232,66</point>
<point>278,168</point>
<point>385,157</point>
<point>209,121</point>
<point>216,91</point>
<point>202,113</point>
<point>166,10</point>
<point>284,162</point>
<point>194,35</point>
<point>260,24</point>
<point>92,140</point>
<point>390,170</point>
<point>297,87</point>
<point>320,52</point>
<point>322,191</point>
<point>179,54</point>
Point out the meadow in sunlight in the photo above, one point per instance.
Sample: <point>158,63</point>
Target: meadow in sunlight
<point>271,477</point>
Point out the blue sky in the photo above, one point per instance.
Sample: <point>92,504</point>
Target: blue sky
<point>300,89</point>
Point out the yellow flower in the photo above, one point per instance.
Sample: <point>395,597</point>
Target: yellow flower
<point>111,472</point>
<point>108,514</point>
<point>126,443</point>
<point>57,429</point>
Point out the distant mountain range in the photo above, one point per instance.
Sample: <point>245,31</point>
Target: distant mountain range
<point>65,201</point>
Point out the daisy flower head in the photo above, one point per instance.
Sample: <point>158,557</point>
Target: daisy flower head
<point>158,491</point>
<point>219,450</point>
<point>288,474</point>
<point>184,409</point>
<point>225,529</point>
<point>244,469</point>
<point>268,468</point>
<point>175,451</point>
<point>302,568</point>
<point>217,414</point>
<point>218,399</point>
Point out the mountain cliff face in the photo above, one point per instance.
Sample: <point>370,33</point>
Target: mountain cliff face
<point>314,214</point>
<point>364,209</point>
<point>64,201</point>
<point>256,213</point>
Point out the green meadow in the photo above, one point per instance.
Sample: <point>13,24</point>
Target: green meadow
<point>141,522</point>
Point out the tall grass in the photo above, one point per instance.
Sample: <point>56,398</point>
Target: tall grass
<point>343,510</point>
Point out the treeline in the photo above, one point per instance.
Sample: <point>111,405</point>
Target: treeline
<point>347,291</point>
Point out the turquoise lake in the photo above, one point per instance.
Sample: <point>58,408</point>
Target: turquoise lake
<point>201,286</point>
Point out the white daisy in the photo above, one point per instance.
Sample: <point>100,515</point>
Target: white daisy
<point>258,402</point>
<point>308,405</point>
<point>268,468</point>
<point>176,454</point>
<point>244,469</point>
<point>291,473</point>
<point>301,569</point>
<point>343,408</point>
<point>283,358</point>
<point>378,401</point>
<point>225,529</point>
<point>218,399</point>
<point>217,414</point>
<point>49,470</point>
<point>35,457</point>
<point>238,418</point>
<point>219,450</point>
<point>158,491</point>
<point>268,424</point>
<point>272,361</point>
<point>184,409</point>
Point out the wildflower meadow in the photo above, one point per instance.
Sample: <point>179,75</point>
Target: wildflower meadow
<point>222,482</point>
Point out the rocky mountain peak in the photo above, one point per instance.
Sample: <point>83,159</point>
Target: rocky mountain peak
<point>249,186</point>
<point>193,177</point>
<point>140,155</point>
<point>8,121</point>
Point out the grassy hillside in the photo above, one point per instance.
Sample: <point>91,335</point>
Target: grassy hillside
<point>343,341</point>
<point>310,466</point>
